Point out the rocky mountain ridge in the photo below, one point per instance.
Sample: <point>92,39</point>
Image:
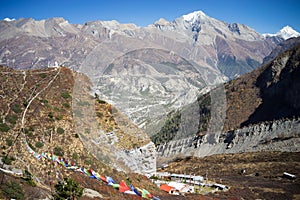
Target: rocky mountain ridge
<point>108,52</point>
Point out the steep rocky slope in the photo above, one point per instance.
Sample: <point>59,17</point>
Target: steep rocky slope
<point>37,112</point>
<point>279,88</point>
<point>283,135</point>
<point>268,93</point>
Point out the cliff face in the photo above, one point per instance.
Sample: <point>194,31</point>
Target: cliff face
<point>281,135</point>
<point>271,92</point>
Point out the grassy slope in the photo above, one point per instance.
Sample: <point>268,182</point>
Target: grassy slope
<point>48,114</point>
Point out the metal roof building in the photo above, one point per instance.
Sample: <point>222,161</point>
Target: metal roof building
<point>187,177</point>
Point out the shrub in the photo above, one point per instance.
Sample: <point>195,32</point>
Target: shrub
<point>75,156</point>
<point>31,146</point>
<point>50,128</point>
<point>88,162</point>
<point>13,190</point>
<point>30,134</point>
<point>56,109</point>
<point>8,142</point>
<point>43,75</point>
<point>66,105</point>
<point>59,117</point>
<point>16,108</point>
<point>60,130</point>
<point>7,160</point>
<point>25,104</point>
<point>99,100</point>
<point>154,177</point>
<point>99,114</point>
<point>27,173</point>
<point>50,115</point>
<point>4,127</point>
<point>67,189</point>
<point>28,178</point>
<point>30,182</point>
<point>39,144</point>
<point>65,95</point>
<point>45,101</point>
<point>12,119</point>
<point>31,128</point>
<point>58,151</point>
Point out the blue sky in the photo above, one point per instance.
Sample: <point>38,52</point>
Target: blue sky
<point>265,16</point>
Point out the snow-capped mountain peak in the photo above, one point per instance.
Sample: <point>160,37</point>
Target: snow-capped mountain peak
<point>285,33</point>
<point>288,32</point>
<point>191,17</point>
<point>8,19</point>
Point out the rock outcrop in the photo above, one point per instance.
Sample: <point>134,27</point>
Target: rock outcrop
<point>281,135</point>
<point>140,160</point>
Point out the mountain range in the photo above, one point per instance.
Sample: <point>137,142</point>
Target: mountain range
<point>160,67</point>
<point>93,93</point>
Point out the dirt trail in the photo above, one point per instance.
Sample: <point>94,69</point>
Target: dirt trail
<point>37,94</point>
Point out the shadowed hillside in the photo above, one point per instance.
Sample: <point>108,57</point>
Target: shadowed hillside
<point>268,93</point>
